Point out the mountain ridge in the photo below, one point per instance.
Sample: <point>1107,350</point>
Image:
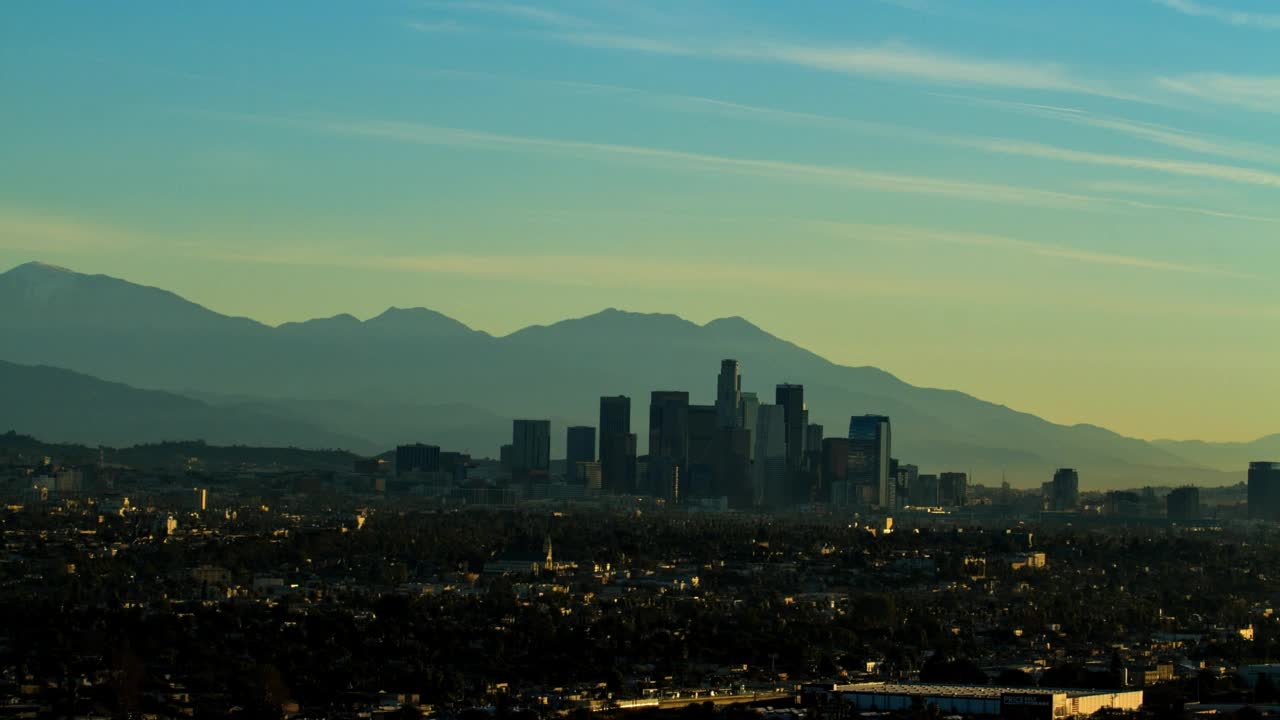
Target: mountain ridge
<point>424,360</point>
<point>65,406</point>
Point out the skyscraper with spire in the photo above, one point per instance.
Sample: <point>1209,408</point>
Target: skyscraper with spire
<point>729,395</point>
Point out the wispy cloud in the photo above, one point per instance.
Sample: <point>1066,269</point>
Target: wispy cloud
<point>1125,187</point>
<point>1150,132</point>
<point>835,175</point>
<point>1211,171</point>
<point>438,26</point>
<point>605,272</point>
<point>1230,16</point>
<point>902,61</point>
<point>780,170</point>
<point>901,233</point>
<point>716,106</point>
<point>893,61</point>
<point>1254,92</point>
<point>515,11</point>
<point>43,232</point>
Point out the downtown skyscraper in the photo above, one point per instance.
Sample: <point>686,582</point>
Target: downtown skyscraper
<point>617,446</point>
<point>729,395</point>
<point>580,447</point>
<point>1264,491</point>
<point>795,420</point>
<point>530,450</point>
<point>668,442</point>
<point>870,454</point>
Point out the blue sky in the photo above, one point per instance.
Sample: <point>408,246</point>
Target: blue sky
<point>1069,208</point>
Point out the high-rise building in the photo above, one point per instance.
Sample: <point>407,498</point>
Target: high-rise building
<point>808,483</point>
<point>530,450</point>
<point>618,464</point>
<point>580,446</point>
<point>1183,504</point>
<point>870,451</point>
<point>729,395</point>
<point>906,479</point>
<point>791,399</point>
<point>813,438</point>
<point>617,446</point>
<point>771,456</point>
<point>924,491</point>
<point>664,478</point>
<point>953,489</point>
<point>454,465</point>
<point>417,458</point>
<point>835,470</point>
<point>615,416</point>
<point>1065,490</point>
<point>733,475</point>
<point>699,478</point>
<point>1264,491</point>
<point>750,409</point>
<point>668,441</point>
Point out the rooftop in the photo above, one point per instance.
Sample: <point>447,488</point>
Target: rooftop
<point>973,691</point>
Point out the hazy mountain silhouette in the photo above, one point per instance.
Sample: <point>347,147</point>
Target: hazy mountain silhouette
<point>416,374</point>
<point>64,406</point>
<point>1224,454</point>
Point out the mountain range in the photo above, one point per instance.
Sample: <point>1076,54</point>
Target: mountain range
<point>417,375</point>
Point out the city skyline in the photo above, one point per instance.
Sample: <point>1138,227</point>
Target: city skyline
<point>1078,209</point>
<point>51,286</point>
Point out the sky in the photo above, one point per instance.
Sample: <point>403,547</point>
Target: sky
<point>1067,208</point>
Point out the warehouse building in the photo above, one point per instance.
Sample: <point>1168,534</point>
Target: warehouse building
<point>1012,703</point>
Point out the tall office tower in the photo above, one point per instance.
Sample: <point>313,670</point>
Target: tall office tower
<point>668,441</point>
<point>699,478</point>
<point>813,439</point>
<point>580,446</point>
<point>1183,504</point>
<point>835,470</point>
<point>615,416</point>
<point>870,449</point>
<point>617,446</point>
<point>417,458</point>
<point>771,456</point>
<point>924,492</point>
<point>530,450</point>
<point>953,489</point>
<point>618,464</point>
<point>1065,490</point>
<point>811,488</point>
<point>907,477</point>
<point>791,399</point>
<point>1264,491</point>
<point>889,500</point>
<point>729,395</point>
<point>750,410</point>
<point>733,476</point>
<point>664,478</point>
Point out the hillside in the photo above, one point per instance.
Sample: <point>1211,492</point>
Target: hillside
<point>419,375</point>
<point>63,406</point>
